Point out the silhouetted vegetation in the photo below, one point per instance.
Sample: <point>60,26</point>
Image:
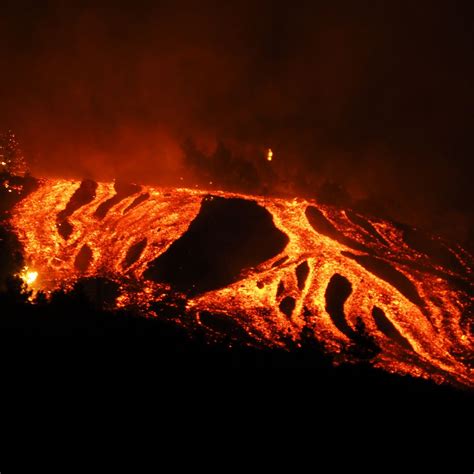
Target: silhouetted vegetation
<point>226,170</point>
<point>12,160</point>
<point>363,346</point>
<point>72,313</point>
<point>334,194</point>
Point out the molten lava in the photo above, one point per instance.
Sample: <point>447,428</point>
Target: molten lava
<point>260,269</point>
<point>28,276</point>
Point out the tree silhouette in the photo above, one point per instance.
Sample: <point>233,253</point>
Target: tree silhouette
<point>12,160</point>
<point>363,347</point>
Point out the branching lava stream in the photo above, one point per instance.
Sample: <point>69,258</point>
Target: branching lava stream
<point>260,269</point>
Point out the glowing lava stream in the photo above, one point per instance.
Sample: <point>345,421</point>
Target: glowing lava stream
<point>411,292</point>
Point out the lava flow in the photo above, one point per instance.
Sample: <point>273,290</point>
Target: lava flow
<point>259,269</point>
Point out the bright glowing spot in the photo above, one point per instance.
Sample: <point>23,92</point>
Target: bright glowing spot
<point>29,277</point>
<point>269,154</point>
<point>4,164</point>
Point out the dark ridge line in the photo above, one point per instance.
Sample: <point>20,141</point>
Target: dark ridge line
<point>122,191</point>
<point>463,255</point>
<point>437,250</point>
<point>280,261</point>
<point>105,206</point>
<point>83,195</point>
<point>459,282</point>
<point>224,325</point>
<point>138,200</point>
<point>389,274</point>
<point>337,292</point>
<point>280,289</point>
<point>302,272</point>
<point>323,226</point>
<point>366,225</point>
<point>386,327</point>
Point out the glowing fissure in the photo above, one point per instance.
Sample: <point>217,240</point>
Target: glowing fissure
<point>405,296</point>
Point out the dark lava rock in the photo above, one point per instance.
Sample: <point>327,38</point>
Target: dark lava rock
<point>83,195</point>
<point>390,274</point>
<point>83,259</point>
<point>226,237</point>
<point>65,229</point>
<point>137,201</point>
<point>302,272</point>
<point>323,226</point>
<point>385,326</point>
<point>287,305</point>
<point>338,290</point>
<point>366,225</point>
<point>280,289</point>
<point>122,190</point>
<point>134,253</point>
<point>434,248</point>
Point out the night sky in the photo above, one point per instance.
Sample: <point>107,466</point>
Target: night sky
<point>377,96</point>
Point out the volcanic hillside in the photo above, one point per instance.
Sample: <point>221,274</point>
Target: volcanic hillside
<point>261,270</point>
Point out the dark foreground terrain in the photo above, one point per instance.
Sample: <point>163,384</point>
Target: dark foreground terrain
<point>163,344</point>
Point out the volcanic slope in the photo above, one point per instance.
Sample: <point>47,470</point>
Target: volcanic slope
<point>261,269</point>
